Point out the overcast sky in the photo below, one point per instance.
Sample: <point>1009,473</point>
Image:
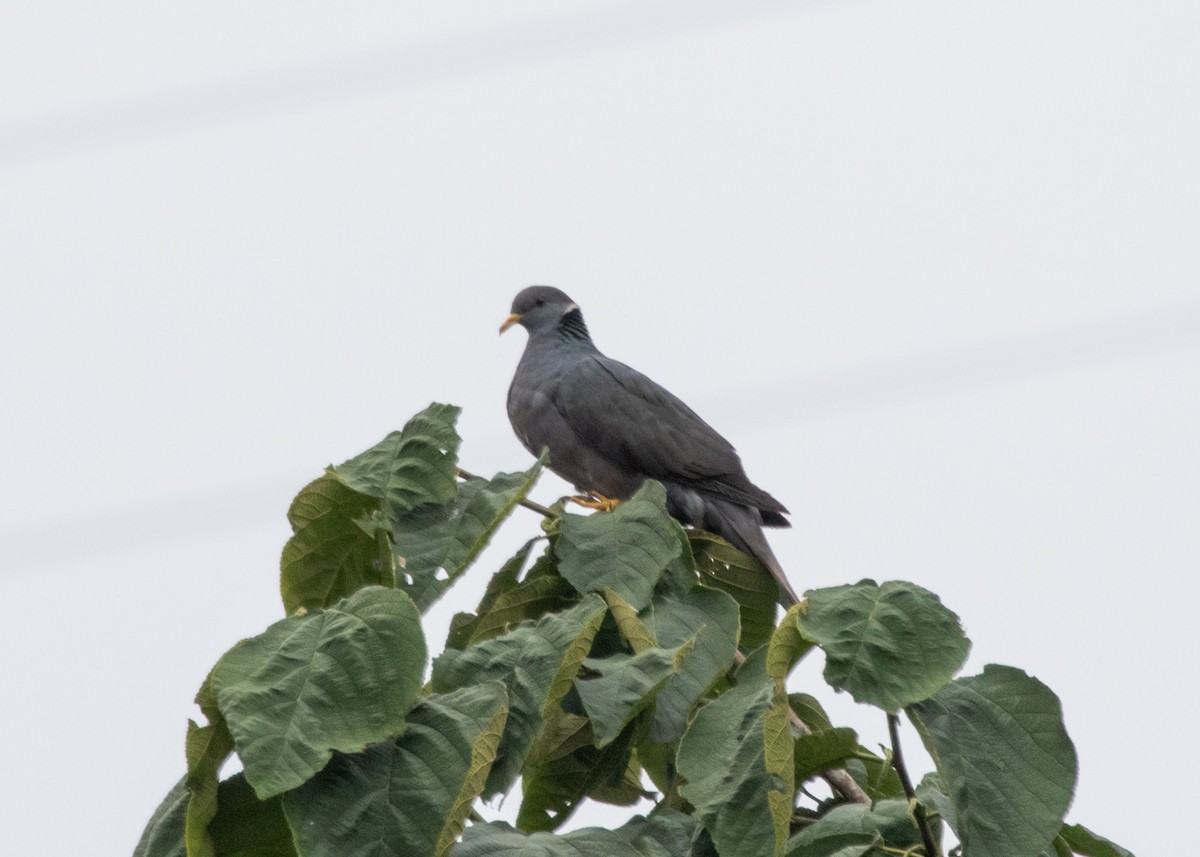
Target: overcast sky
<point>931,266</point>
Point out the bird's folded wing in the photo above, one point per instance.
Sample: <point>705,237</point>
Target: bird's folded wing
<point>637,424</point>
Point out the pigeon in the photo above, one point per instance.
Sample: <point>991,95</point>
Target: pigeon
<point>609,428</point>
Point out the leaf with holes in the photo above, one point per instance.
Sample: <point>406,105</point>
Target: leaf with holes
<point>411,467</point>
<point>435,544</point>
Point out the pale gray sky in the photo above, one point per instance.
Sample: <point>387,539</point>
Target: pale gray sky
<point>932,267</point>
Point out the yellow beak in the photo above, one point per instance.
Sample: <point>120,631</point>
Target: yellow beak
<point>510,321</point>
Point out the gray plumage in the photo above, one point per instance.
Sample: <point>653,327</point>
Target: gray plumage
<point>609,428</point>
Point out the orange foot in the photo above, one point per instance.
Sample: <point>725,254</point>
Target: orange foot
<point>596,501</point>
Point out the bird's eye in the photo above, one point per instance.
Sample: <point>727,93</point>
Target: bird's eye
<point>540,302</point>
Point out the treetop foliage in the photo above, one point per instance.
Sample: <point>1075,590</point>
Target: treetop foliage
<point>616,657</point>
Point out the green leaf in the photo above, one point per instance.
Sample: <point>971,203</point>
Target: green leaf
<point>248,827</point>
<point>809,711</point>
<point>615,689</point>
<point>207,748</point>
<point>1009,767</point>
<point>889,645</point>
<point>336,548</point>
<point>626,550</point>
<point>410,796</point>
<point>1083,841</point>
<point>537,663</point>
<point>875,775</point>
<point>410,467</point>
<point>711,618</point>
<point>436,544</point>
<point>855,827</point>
<point>335,679</point>
<point>163,835</point>
<point>663,834</point>
<point>724,567</point>
<point>573,768</point>
<point>818,752</point>
<point>736,758</point>
<point>787,645</point>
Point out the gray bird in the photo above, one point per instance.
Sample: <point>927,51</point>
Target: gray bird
<point>609,428</point>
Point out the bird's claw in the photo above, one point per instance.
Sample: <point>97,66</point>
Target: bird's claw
<point>596,501</point>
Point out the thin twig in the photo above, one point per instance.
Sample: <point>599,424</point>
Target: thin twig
<point>528,504</point>
<point>918,811</point>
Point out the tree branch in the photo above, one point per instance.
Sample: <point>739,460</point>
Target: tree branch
<point>528,504</point>
<point>918,811</point>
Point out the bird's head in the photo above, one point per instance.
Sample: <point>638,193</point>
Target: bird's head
<point>544,308</point>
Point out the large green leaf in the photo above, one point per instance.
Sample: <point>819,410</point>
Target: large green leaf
<point>626,550</point>
<point>573,768</point>
<point>337,547</point>
<point>1003,753</point>
<point>736,757</point>
<point>410,796</point>
<point>615,689</point>
<point>335,679</point>
<point>723,566</point>
<point>536,661</point>
<point>787,644</point>
<point>875,775</point>
<point>435,544</point>
<point>857,827</point>
<point>888,645</point>
<point>711,618</point>
<point>410,467</point>
<point>163,834</point>
<point>1082,841</point>
<point>206,748</point>
<point>663,834</point>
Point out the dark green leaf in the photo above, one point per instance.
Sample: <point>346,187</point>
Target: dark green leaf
<point>163,836</point>
<point>887,822</point>
<point>736,757</point>
<point>335,679</point>
<point>410,467</point>
<point>724,567</point>
<point>574,768</point>
<point>810,711</point>
<point>248,827</point>
<point>818,752</point>
<point>537,663</point>
<point>1009,767</point>
<point>435,544</point>
<point>663,834</point>
<point>1083,841</point>
<point>410,796</point>
<point>615,689</point>
<point>337,546</point>
<point>711,618</point>
<point>625,550</point>
<point>888,645</point>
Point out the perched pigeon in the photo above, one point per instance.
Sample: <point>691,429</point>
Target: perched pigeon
<point>609,428</point>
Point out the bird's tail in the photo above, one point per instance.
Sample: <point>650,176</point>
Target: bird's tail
<point>741,526</point>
